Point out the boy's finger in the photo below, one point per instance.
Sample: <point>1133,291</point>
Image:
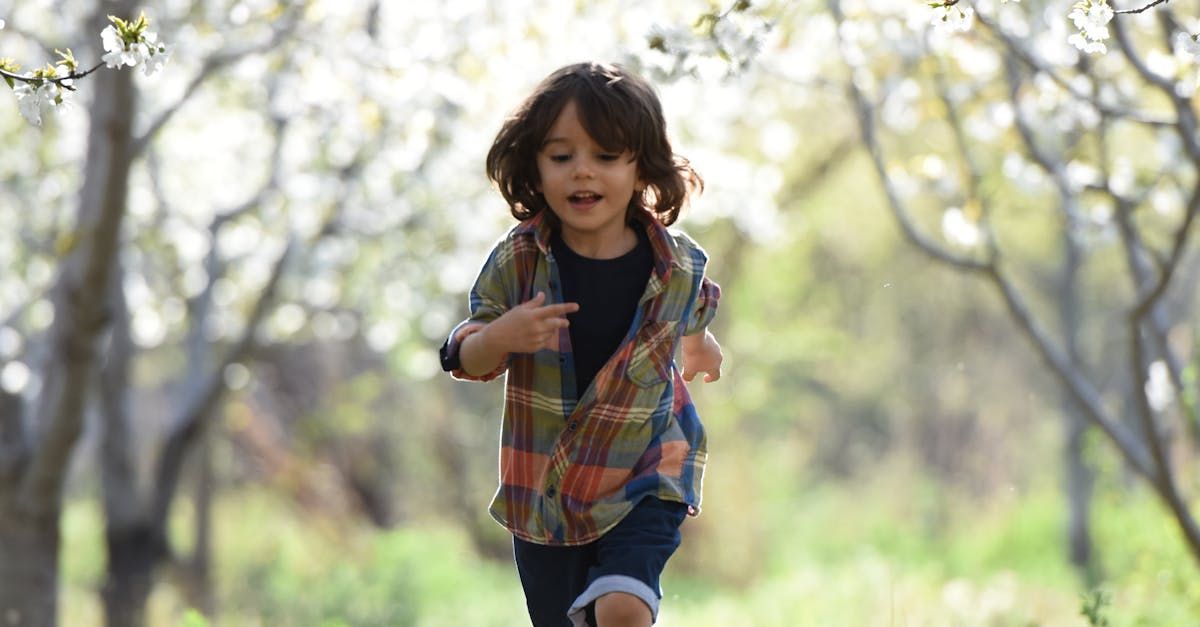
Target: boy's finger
<point>558,310</point>
<point>536,301</point>
<point>688,375</point>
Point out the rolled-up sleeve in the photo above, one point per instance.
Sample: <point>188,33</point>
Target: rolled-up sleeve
<point>489,299</point>
<point>704,308</point>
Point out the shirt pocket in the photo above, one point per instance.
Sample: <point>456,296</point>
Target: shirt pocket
<point>650,361</point>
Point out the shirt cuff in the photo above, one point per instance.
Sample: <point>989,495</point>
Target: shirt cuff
<point>449,356</point>
<point>449,353</point>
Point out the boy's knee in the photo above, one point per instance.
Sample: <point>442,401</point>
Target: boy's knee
<point>621,609</point>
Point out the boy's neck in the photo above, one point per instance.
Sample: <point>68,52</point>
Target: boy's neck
<point>600,247</point>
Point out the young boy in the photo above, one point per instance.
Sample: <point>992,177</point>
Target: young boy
<point>583,304</point>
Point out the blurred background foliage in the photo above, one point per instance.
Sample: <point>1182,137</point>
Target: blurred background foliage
<point>886,448</point>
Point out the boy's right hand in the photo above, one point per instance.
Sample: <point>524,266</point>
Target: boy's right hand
<point>528,327</point>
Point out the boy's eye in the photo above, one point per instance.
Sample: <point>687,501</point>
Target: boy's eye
<point>608,156</point>
<point>559,158</point>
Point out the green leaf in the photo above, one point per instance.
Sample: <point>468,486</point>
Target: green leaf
<point>67,58</point>
<point>707,22</point>
<point>140,26</point>
<point>9,65</point>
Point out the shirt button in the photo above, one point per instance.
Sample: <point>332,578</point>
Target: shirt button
<point>572,426</point>
<point>550,491</point>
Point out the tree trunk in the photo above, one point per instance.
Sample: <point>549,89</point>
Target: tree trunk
<point>133,554</point>
<point>33,473</point>
<point>1079,476</point>
<point>1079,481</point>
<point>28,568</point>
<point>197,570</point>
<point>134,543</point>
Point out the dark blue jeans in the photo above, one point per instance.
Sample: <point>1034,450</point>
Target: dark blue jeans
<point>562,580</point>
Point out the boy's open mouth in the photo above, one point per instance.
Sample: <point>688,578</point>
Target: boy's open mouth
<point>584,197</point>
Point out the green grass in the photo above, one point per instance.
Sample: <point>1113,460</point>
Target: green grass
<point>888,551</point>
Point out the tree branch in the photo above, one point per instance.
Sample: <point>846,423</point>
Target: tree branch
<point>57,80</point>
<point>1078,386</point>
<point>974,178</point>
<point>199,406</point>
<point>1185,117</point>
<point>867,128</point>
<point>1186,127</point>
<point>1027,57</point>
<point>1140,10</point>
<point>1163,478</point>
<point>189,425</point>
<point>212,65</point>
<point>1051,166</point>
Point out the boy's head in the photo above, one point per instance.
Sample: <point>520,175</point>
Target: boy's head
<point>619,111</point>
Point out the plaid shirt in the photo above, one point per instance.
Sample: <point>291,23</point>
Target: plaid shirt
<point>570,469</point>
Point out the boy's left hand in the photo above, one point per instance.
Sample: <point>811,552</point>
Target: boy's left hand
<point>701,353</point>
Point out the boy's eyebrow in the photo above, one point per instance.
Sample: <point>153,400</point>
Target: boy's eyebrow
<point>564,140</point>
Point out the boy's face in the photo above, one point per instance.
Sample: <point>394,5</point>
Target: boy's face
<point>586,186</point>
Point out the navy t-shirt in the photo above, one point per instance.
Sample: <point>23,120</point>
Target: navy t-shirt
<point>608,291</point>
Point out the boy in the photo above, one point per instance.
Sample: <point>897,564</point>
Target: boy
<point>583,305</point>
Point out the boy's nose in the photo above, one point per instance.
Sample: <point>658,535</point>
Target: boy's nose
<point>583,170</point>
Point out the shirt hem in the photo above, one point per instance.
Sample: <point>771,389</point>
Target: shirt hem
<point>693,511</point>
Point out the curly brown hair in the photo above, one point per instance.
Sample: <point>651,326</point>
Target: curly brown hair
<point>620,111</point>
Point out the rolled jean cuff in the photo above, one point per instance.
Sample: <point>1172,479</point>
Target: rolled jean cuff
<point>612,583</point>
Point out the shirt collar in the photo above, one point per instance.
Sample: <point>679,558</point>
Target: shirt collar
<point>661,242</point>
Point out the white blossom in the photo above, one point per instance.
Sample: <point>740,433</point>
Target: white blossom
<point>959,229</point>
<point>671,38</point>
<point>158,59</point>
<point>1159,392</point>
<point>14,376</point>
<point>27,103</point>
<point>33,101</point>
<point>62,70</point>
<point>113,44</point>
<point>1091,17</point>
<point>1188,44</point>
<point>147,51</point>
<point>952,18</point>
<point>741,44</point>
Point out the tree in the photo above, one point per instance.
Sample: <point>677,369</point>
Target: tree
<point>1114,119</point>
<point>1021,99</point>
<point>40,448</point>
<point>195,280</point>
<point>92,329</point>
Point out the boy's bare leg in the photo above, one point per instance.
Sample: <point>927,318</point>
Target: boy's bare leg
<point>619,609</point>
